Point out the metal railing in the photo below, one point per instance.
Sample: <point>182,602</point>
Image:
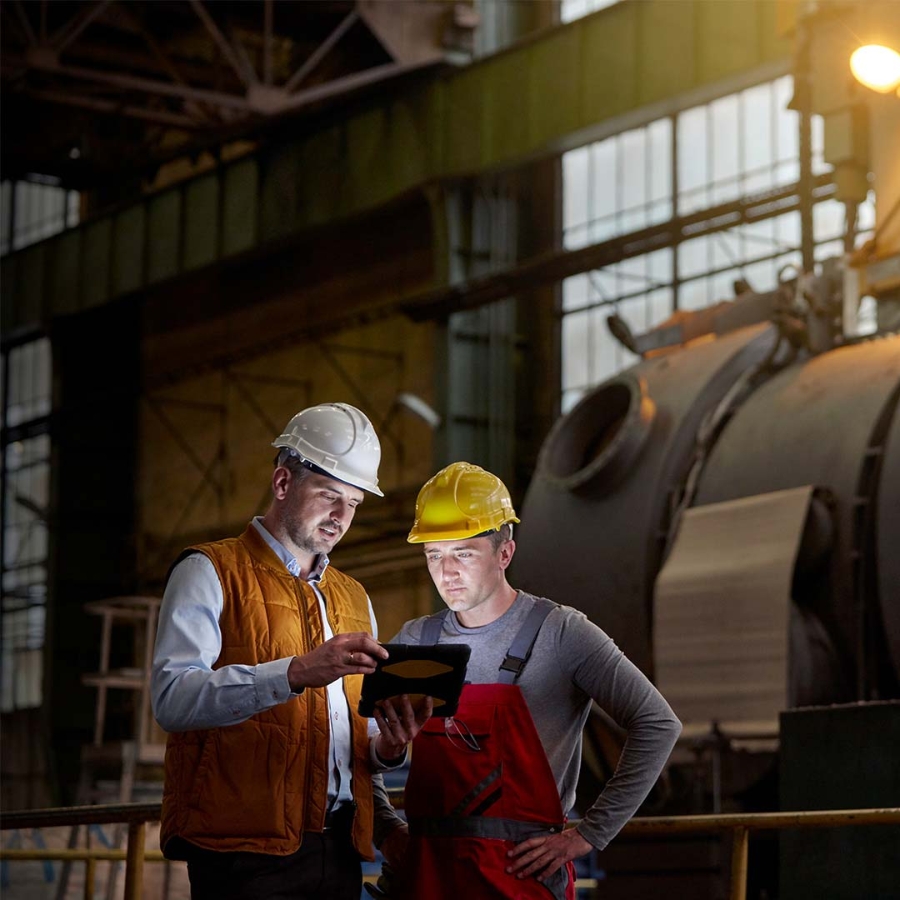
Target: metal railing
<point>137,815</point>
<point>134,815</point>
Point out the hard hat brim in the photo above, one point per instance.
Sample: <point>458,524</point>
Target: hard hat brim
<point>419,537</point>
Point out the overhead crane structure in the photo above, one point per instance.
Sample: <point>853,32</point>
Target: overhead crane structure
<point>557,89</point>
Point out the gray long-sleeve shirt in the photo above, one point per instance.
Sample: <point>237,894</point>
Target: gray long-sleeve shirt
<point>573,662</point>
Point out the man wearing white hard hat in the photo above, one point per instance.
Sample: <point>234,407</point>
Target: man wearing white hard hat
<point>257,673</point>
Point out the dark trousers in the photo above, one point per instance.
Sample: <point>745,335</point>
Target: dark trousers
<point>326,866</point>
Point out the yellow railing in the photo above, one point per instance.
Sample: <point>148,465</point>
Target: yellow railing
<point>136,816</point>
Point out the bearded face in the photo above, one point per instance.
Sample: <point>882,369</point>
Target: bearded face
<point>317,510</point>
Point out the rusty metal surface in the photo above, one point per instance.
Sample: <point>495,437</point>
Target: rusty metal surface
<point>813,424</point>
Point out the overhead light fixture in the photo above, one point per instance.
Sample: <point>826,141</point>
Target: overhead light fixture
<point>418,407</point>
<point>876,67</point>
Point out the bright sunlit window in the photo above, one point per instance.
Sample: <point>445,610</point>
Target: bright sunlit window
<point>743,145</point>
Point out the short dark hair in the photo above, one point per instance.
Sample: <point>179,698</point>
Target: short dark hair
<point>293,463</point>
<point>500,536</point>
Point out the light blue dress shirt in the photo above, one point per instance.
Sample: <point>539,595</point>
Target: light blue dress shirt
<point>188,694</point>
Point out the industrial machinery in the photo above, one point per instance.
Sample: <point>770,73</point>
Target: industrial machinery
<point>728,510</point>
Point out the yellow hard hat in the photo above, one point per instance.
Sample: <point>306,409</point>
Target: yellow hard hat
<point>461,501</point>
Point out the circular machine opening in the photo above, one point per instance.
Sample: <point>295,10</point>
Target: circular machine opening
<point>600,438</point>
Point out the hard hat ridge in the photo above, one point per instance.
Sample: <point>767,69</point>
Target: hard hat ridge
<point>338,440</point>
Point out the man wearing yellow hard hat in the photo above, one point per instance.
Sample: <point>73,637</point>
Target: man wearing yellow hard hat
<point>490,788</point>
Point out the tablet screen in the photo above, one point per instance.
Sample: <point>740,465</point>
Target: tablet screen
<point>419,670</point>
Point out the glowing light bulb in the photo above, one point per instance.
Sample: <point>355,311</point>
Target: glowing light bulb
<point>876,67</point>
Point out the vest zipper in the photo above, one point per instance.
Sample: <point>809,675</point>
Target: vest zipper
<point>310,712</point>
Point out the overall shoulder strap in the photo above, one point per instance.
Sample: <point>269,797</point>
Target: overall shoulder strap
<point>520,649</point>
<point>431,630</point>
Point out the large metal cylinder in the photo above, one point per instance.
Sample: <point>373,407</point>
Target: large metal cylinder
<point>600,515</point>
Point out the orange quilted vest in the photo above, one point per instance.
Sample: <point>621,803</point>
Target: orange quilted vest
<point>257,786</point>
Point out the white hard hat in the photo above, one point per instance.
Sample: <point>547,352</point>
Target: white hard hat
<point>338,440</point>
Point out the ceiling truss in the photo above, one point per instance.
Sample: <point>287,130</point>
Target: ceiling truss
<point>193,73</point>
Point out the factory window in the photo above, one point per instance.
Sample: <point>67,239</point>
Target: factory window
<point>618,185</point>
<point>25,483</point>
<point>33,210</point>
<point>725,154</point>
<point>642,290</point>
<point>736,146</point>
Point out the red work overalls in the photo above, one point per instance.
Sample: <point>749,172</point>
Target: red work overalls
<point>479,783</point>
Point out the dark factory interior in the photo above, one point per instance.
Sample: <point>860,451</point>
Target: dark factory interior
<point>640,259</point>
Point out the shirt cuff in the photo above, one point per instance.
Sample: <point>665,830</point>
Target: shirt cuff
<point>379,765</point>
<point>272,686</point>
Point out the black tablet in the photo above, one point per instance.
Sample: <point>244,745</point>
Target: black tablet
<point>419,670</point>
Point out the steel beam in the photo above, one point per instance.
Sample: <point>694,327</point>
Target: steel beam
<point>554,91</point>
<point>46,63</point>
<point>73,28</point>
<point>159,117</point>
<point>321,51</point>
<point>241,69</point>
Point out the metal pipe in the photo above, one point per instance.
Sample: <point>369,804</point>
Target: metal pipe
<point>70,31</point>
<point>739,864</point>
<point>138,814</point>
<point>321,51</point>
<point>90,871</point>
<point>79,854</point>
<point>802,105</point>
<point>700,824</point>
<point>241,68</point>
<point>762,821</point>
<point>134,862</point>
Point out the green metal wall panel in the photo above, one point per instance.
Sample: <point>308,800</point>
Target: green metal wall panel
<point>369,178</point>
<point>130,239</point>
<point>239,206</point>
<point>322,194</point>
<point>64,282</point>
<point>433,100</point>
<point>201,222</point>
<point>727,38</point>
<point>610,84</point>
<point>163,235</point>
<point>95,262</point>
<point>406,144</point>
<point>775,20</point>
<point>460,134</point>
<point>554,96</point>
<point>505,128</point>
<point>31,283</point>
<point>666,49</point>
<point>280,192</point>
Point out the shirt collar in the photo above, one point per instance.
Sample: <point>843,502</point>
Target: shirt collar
<point>290,562</point>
